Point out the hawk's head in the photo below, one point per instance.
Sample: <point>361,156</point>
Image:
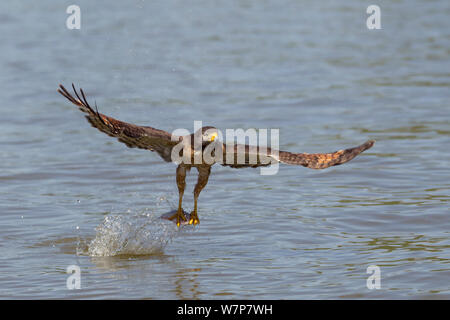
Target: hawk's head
<point>208,134</point>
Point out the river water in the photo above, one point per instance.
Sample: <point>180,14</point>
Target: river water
<point>70,195</point>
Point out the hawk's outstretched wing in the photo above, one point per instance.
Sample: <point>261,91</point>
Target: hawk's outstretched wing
<point>245,156</point>
<point>256,157</point>
<point>132,135</point>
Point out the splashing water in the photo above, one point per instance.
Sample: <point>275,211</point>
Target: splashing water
<point>142,234</point>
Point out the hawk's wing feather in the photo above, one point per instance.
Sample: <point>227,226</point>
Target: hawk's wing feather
<point>323,160</point>
<point>245,156</point>
<point>262,157</point>
<point>132,135</point>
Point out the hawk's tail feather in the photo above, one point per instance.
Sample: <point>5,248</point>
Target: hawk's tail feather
<point>323,160</point>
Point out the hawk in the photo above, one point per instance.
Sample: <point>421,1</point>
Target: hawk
<point>163,143</point>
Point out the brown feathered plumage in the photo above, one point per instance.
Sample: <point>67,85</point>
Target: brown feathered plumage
<point>132,135</point>
<point>263,157</point>
<point>149,138</point>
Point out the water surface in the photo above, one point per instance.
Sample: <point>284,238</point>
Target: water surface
<point>70,195</point>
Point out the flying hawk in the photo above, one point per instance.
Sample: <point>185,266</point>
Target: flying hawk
<point>162,142</point>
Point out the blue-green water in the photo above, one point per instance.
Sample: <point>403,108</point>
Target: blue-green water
<point>309,68</point>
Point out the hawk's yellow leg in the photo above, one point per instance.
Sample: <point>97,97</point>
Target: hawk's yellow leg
<point>179,215</point>
<point>203,175</point>
<point>181,183</point>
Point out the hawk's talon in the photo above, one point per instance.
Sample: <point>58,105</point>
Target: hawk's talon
<point>194,218</point>
<point>179,215</point>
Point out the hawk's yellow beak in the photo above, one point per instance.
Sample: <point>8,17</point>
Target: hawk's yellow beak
<point>213,136</point>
